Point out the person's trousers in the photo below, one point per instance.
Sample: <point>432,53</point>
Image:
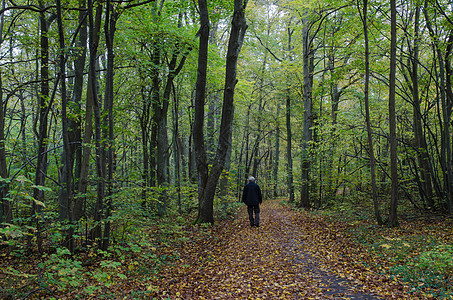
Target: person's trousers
<point>254,209</point>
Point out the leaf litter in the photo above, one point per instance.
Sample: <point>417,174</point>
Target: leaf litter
<point>292,255</point>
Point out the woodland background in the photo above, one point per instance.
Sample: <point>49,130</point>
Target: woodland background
<point>109,123</point>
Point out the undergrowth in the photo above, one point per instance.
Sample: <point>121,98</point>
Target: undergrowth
<point>142,245</point>
<point>418,253</point>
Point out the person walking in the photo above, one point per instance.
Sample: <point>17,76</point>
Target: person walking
<point>251,196</point>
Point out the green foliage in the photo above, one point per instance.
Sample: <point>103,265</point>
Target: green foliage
<point>226,206</point>
<point>438,261</point>
<point>11,235</point>
<point>61,271</point>
<point>108,273</point>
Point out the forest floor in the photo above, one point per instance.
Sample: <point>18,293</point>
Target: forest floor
<point>292,255</point>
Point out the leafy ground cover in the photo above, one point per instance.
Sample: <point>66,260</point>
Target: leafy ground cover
<point>419,252</point>
<point>292,255</point>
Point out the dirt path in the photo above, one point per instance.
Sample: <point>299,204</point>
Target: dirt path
<point>235,261</point>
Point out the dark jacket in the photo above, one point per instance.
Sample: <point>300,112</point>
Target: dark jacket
<point>251,195</point>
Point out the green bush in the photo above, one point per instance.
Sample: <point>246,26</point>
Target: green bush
<point>438,261</point>
<point>62,271</point>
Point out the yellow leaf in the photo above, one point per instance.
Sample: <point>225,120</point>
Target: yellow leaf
<point>386,246</point>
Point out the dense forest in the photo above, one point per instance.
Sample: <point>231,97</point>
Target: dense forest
<point>116,114</point>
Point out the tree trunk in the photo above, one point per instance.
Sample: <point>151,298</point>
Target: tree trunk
<point>109,28</point>
<point>67,197</point>
<point>92,92</point>
<point>449,102</point>
<point>289,135</point>
<point>276,155</point>
<point>426,191</point>
<point>75,136</point>
<point>198,123</point>
<point>308,58</point>
<point>144,125</point>
<point>96,233</point>
<point>393,218</point>
<point>5,206</point>
<point>44,104</point>
<point>446,152</point>
<point>238,28</point>
<point>177,149</point>
<point>155,100</point>
<point>73,132</point>
<point>289,156</point>
<point>377,213</point>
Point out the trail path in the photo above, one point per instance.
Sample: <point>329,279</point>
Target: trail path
<point>282,259</point>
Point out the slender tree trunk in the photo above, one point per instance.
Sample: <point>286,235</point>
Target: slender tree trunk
<point>289,156</point>
<point>66,199</point>
<point>92,92</point>
<point>96,232</point>
<point>5,205</point>
<point>276,155</point>
<point>238,28</point>
<point>308,57</point>
<point>377,213</point>
<point>73,132</point>
<point>426,190</point>
<point>161,119</point>
<point>289,135</point>
<point>449,103</point>
<point>393,218</point>
<point>155,100</point>
<point>144,125</point>
<point>109,28</point>
<point>178,149</point>
<point>43,108</point>
<point>446,152</point>
<point>198,123</point>
<point>75,136</point>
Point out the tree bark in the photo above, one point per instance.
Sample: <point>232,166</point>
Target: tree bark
<point>109,29</point>
<point>289,135</point>
<point>66,199</point>
<point>276,155</point>
<point>92,92</point>
<point>5,206</point>
<point>144,118</point>
<point>75,136</point>
<point>426,191</point>
<point>308,58</point>
<point>198,123</point>
<point>446,152</point>
<point>96,232</point>
<point>44,105</point>
<point>377,213</point>
<point>393,218</point>
<point>238,28</point>
<point>289,156</point>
